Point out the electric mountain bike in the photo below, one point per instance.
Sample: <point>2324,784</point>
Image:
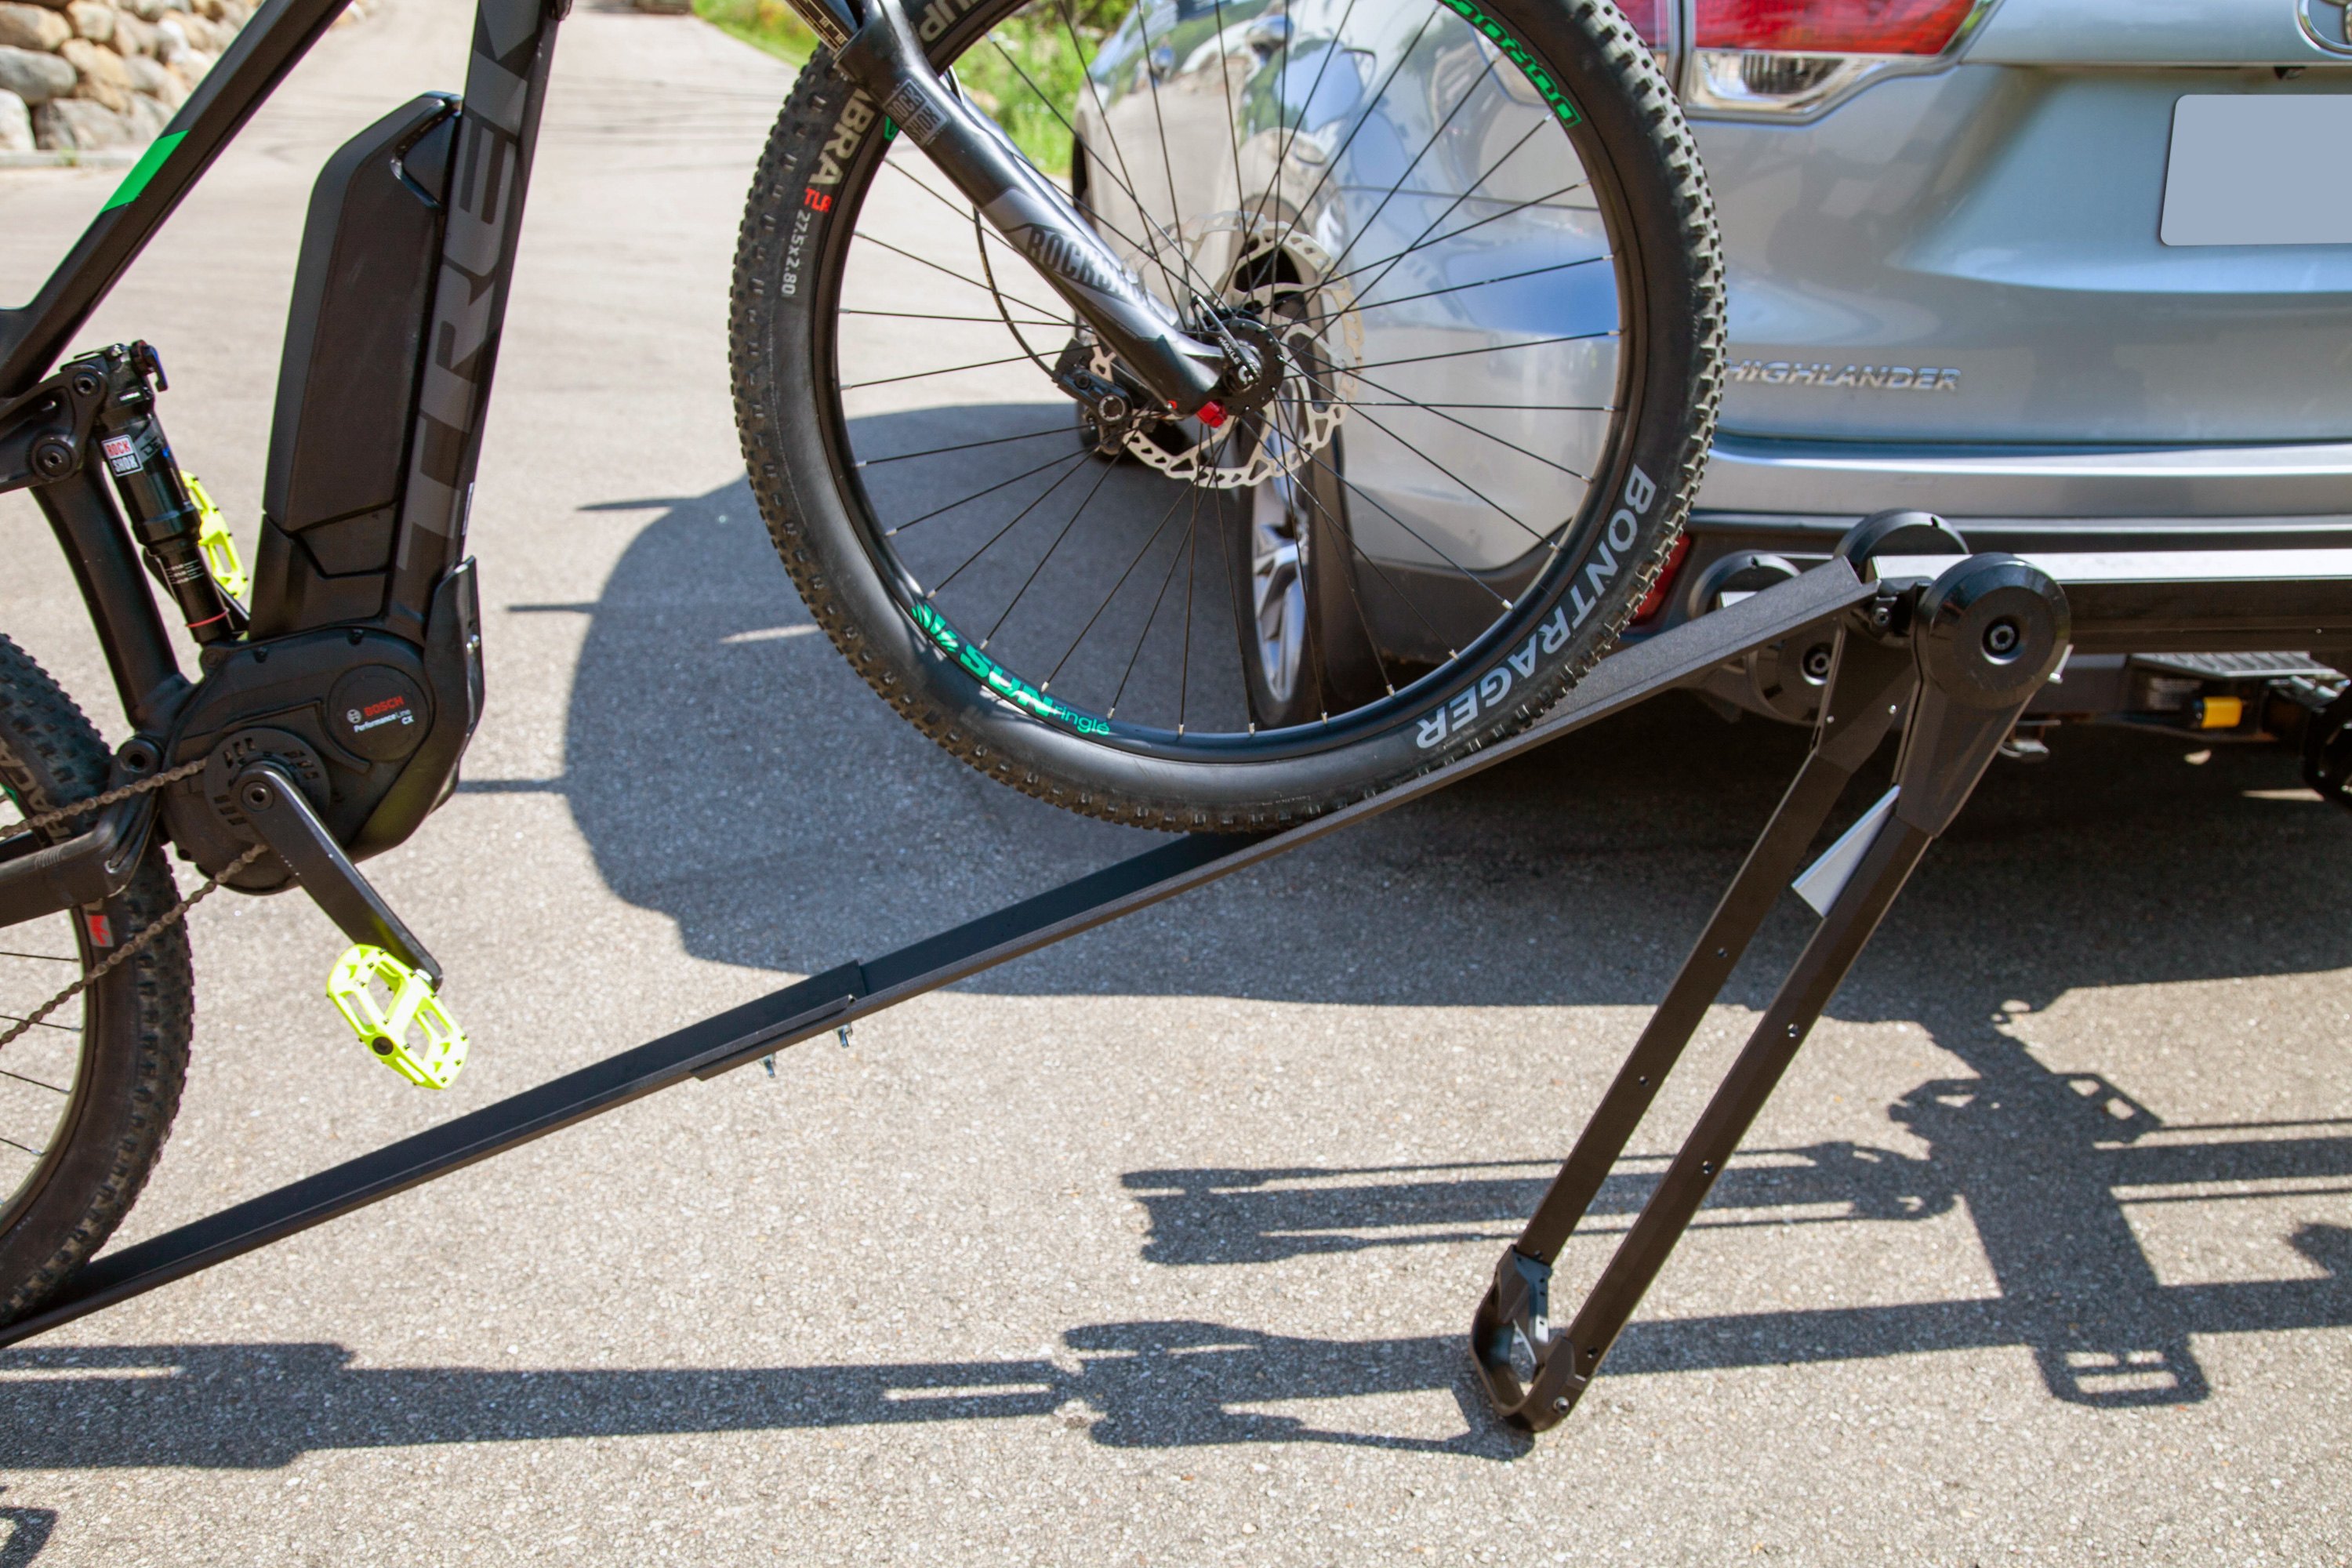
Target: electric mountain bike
<point>1203,423</point>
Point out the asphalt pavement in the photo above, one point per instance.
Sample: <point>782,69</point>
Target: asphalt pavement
<point>1157,1246</point>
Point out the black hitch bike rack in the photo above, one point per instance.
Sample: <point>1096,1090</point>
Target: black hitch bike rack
<point>1944,646</point>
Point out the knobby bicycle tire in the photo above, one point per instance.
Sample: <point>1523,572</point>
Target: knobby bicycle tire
<point>817,241</point>
<point>86,1098</point>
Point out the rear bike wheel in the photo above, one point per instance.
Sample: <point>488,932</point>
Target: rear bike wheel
<point>87,1096</point>
<point>1477,236</point>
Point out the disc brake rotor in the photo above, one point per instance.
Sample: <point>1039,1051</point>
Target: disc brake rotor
<point>1320,336</point>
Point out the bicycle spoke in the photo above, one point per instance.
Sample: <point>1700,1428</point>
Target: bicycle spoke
<point>1417,533</point>
<point>925,375</point>
<point>1159,528</point>
<point>1061,429</point>
<point>1484,175</point>
<point>1488,348</point>
<point>1159,598</point>
<point>36,1083</point>
<point>1306,103</point>
<point>1070,457</point>
<point>1076,512</point>
<point>1307,203</point>
<point>1243,616</point>
<point>1095,218</point>
<point>1225,80</point>
<point>1184,660</point>
<point>1307,618</point>
<point>1348,580</point>
<point>1372,217</point>
<point>1358,309</point>
<point>1406,599</point>
<point>1167,165</point>
<point>1127,176</point>
<point>1281,83</point>
<point>1500,510</point>
<point>1024,511</point>
<point>1510,211</point>
<point>1512,407</point>
<point>1475,430</point>
<point>936,316</point>
<point>969,282</point>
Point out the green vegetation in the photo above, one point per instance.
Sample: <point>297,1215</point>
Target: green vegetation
<point>1026,55</point>
<point>767,25</point>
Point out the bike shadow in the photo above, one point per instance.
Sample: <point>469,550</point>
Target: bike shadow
<point>1140,1384</point>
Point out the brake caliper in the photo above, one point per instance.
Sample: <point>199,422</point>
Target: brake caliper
<point>439,1055</point>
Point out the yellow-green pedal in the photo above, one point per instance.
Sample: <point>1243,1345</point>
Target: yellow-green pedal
<point>214,539</point>
<point>437,1057</point>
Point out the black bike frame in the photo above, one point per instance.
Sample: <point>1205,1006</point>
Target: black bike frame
<point>496,132</point>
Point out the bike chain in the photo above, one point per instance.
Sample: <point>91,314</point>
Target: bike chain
<point>169,918</point>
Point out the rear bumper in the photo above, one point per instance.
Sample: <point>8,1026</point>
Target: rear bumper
<point>2064,488</point>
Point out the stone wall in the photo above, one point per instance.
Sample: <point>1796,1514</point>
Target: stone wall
<point>87,76</point>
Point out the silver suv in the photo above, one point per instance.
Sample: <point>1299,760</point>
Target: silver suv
<point>2072,274</point>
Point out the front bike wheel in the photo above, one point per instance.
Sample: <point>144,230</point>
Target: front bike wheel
<point>1476,234</point>
<point>87,1095</point>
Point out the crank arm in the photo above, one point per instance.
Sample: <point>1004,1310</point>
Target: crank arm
<point>885,57</point>
<point>90,867</point>
<point>280,814</point>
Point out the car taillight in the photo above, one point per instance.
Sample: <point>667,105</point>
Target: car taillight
<point>1791,58</point>
<point>1832,27</point>
<point>1649,19</point>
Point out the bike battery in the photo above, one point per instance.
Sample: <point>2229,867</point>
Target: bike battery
<point>347,384</point>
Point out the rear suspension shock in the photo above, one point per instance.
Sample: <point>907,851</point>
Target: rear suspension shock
<point>165,516</point>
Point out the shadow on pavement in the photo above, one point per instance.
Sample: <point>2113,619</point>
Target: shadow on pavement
<point>1137,1384</point>
<point>29,1530</point>
<point>796,807</point>
<point>729,771</point>
<point>1214,1216</point>
<point>2042,1159</point>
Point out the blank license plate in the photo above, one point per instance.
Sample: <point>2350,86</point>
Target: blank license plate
<point>2259,170</point>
